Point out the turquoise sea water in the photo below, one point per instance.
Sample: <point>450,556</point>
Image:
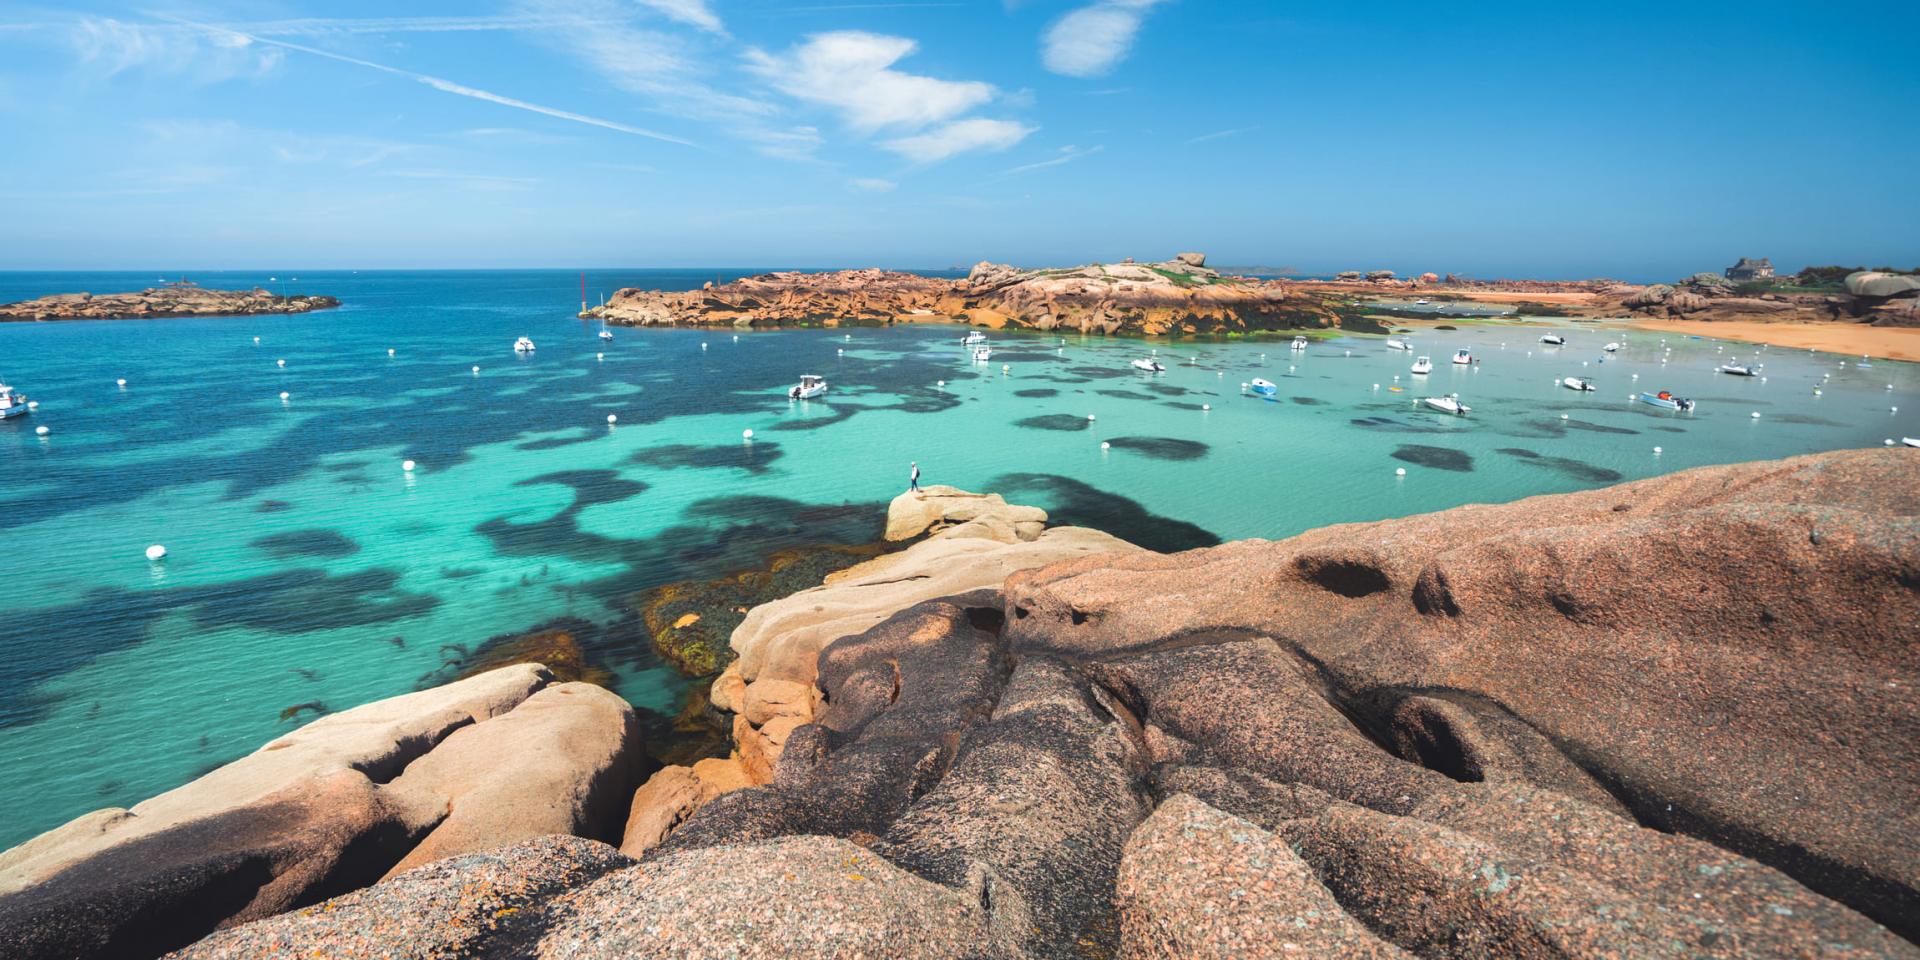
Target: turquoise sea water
<point>306,567</point>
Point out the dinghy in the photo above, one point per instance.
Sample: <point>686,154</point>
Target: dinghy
<point>1665,399</point>
<point>1399,345</point>
<point>1264,388</point>
<point>1553,339</point>
<point>1577,383</point>
<point>12,404</point>
<point>1148,364</point>
<point>1463,356</point>
<point>1423,365</point>
<point>1611,348</point>
<point>810,386</point>
<point>523,345</point>
<point>1910,441</point>
<point>1447,404</point>
<point>1741,369</point>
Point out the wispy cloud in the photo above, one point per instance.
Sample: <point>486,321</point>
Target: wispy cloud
<point>959,137</point>
<point>437,83</point>
<point>1067,155</point>
<point>110,47</point>
<point>852,72</point>
<point>872,185</point>
<point>694,13</point>
<point>1220,134</point>
<point>1089,41</point>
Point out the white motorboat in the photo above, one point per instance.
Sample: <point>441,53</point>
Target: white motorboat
<point>1423,301</point>
<point>1423,365</point>
<point>1577,383</point>
<point>982,353</point>
<point>1265,388</point>
<point>810,386</point>
<point>1667,400</point>
<point>1911,441</point>
<point>1553,339</point>
<point>1148,364</point>
<point>1447,404</point>
<point>1611,348</point>
<point>1399,345</point>
<point>973,338</point>
<point>606,334</point>
<point>12,404</point>
<point>1463,355</point>
<point>1299,343</point>
<point>523,345</point>
<point>1741,369</point>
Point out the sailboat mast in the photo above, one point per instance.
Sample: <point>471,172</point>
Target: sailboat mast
<point>583,291</point>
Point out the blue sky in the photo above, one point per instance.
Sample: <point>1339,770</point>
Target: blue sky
<point>1633,140</point>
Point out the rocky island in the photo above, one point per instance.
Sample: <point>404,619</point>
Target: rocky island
<point>173,300</point>
<point>1676,717</point>
<point>1179,296</point>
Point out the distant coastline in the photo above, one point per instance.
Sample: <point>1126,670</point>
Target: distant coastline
<point>171,301</point>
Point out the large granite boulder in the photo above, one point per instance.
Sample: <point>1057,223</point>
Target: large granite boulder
<point>1882,285</point>
<point>468,767</point>
<point>1733,653</point>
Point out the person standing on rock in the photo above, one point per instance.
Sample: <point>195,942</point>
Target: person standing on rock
<point>913,478</point>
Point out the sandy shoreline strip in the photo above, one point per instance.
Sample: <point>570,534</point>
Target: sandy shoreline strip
<point>1855,339</point>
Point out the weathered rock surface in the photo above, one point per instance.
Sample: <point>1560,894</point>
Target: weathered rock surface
<point>1179,295</point>
<point>471,766</point>
<point>183,301</point>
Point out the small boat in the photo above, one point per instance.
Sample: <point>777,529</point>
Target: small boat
<point>1265,388</point>
<point>523,345</point>
<point>1423,365</point>
<point>1447,404</point>
<point>1611,348</point>
<point>12,404</point>
<point>1423,301</point>
<point>1741,369</point>
<point>1399,345</point>
<point>1148,364</point>
<point>972,338</point>
<point>982,353</point>
<point>1299,343</point>
<point>1463,355</point>
<point>1553,339</point>
<point>1577,383</point>
<point>606,334</point>
<point>810,386</point>
<point>1667,400</point>
<point>1910,441</point>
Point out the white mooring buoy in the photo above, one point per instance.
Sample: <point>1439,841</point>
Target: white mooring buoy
<point>1104,445</point>
<point>1656,450</point>
<point>284,395</point>
<point>612,418</point>
<point>1206,406</point>
<point>476,370</point>
<point>1755,415</point>
<point>41,431</point>
<point>389,351</point>
<point>1400,471</point>
<point>120,382</point>
<point>407,466</point>
<point>156,552</point>
<point>1089,416</point>
<point>746,434</point>
<point>281,362</point>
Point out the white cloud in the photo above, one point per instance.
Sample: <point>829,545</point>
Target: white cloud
<point>851,71</point>
<point>1218,134</point>
<point>959,137</point>
<point>873,185</point>
<point>112,46</point>
<point>1091,40</point>
<point>693,13</point>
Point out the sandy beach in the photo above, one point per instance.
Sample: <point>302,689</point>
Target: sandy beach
<point>1893,343</point>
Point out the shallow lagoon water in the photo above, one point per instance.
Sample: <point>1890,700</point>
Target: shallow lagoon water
<point>306,567</point>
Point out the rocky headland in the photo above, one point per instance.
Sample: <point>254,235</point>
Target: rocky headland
<point>1676,717</point>
<point>158,302</point>
<point>1179,296</point>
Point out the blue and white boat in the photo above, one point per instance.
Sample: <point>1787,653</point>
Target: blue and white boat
<point>12,404</point>
<point>1665,399</point>
<point>1265,388</point>
<point>973,338</point>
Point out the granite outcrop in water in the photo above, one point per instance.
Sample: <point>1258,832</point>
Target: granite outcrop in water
<point>159,302</point>
<point>1182,295</point>
<point>334,806</point>
<point>1675,717</point>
